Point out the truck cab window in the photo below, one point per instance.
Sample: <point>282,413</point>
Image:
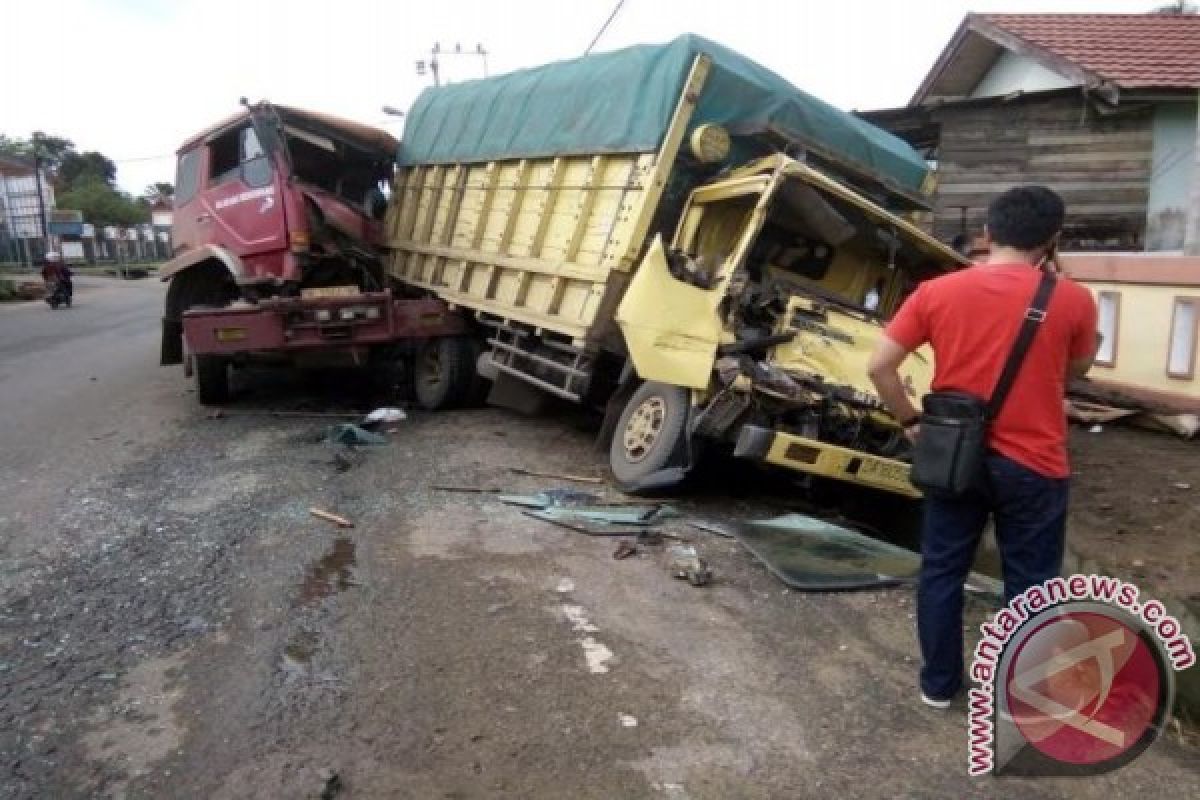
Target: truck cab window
<point>256,167</point>
<point>187,177</point>
<point>238,152</point>
<point>224,157</point>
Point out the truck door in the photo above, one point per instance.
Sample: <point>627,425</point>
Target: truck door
<point>184,233</point>
<point>670,313</point>
<point>241,208</point>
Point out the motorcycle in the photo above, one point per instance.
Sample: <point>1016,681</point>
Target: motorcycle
<point>59,294</point>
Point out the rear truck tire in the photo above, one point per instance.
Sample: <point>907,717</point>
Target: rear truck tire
<point>444,373</point>
<point>212,380</point>
<point>649,434</point>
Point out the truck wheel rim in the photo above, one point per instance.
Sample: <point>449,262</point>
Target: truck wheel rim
<point>431,369</point>
<point>644,428</point>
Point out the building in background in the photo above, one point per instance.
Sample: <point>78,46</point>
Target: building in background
<point>1101,107</point>
<point>21,236</point>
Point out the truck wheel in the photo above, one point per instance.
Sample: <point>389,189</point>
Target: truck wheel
<point>444,372</point>
<point>648,432</point>
<point>212,380</point>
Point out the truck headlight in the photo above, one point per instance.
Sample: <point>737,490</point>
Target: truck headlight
<point>323,315</point>
<point>347,314</point>
<point>372,312</point>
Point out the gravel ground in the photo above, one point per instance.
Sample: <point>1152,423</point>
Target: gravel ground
<point>203,636</point>
<point>174,623</point>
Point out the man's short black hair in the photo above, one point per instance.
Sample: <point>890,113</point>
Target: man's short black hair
<point>1025,217</point>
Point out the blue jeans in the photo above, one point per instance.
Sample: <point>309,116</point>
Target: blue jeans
<point>1030,513</point>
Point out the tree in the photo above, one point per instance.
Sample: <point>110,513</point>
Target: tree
<point>51,149</point>
<point>81,167</point>
<point>1176,7</point>
<point>101,204</point>
<point>159,193</point>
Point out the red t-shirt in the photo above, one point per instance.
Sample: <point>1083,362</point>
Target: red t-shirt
<point>971,318</point>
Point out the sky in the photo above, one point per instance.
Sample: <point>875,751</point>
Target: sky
<point>134,78</point>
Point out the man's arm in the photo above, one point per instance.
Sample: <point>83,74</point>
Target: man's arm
<point>884,371</point>
<point>1085,339</point>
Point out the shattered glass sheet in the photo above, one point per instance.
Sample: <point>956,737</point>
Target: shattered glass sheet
<point>810,554</point>
<point>574,522</point>
<point>813,555</point>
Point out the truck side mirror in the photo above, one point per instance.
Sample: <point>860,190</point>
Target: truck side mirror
<point>375,203</point>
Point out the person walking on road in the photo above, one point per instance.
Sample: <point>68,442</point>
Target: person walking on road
<point>971,318</point>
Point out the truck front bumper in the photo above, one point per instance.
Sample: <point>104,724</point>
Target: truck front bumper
<point>299,324</point>
<point>827,460</point>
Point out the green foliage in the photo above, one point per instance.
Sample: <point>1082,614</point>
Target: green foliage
<point>161,192</point>
<point>79,168</point>
<point>102,205</point>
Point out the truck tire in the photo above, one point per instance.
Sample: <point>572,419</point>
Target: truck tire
<point>212,380</point>
<point>444,373</point>
<point>648,432</point>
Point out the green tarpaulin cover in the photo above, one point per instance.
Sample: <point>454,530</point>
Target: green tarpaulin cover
<point>621,102</point>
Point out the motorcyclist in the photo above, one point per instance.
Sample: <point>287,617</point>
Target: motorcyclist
<point>54,272</point>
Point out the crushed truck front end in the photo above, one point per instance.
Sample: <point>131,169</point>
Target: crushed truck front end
<point>766,307</point>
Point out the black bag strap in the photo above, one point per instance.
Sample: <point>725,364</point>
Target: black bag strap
<point>1034,315</point>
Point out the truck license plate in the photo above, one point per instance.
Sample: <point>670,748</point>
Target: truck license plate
<point>883,471</point>
<point>231,334</point>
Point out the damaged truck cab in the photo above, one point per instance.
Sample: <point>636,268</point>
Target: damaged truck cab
<point>752,328</point>
<point>276,249</point>
<point>679,237</point>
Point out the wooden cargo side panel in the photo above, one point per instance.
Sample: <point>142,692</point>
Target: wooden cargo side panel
<point>530,240</point>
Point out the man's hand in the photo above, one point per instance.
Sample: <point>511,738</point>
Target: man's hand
<point>912,432</point>
<point>884,371</point>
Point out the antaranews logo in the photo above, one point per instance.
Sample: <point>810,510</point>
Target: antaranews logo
<point>1075,676</point>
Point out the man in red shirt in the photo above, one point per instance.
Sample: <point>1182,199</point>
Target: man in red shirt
<point>970,318</point>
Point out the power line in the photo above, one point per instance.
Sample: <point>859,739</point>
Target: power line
<point>141,158</point>
<point>604,27</point>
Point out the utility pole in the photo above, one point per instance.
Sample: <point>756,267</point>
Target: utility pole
<point>37,182</point>
<point>435,65</point>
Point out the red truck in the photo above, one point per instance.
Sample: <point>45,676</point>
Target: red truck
<point>276,259</point>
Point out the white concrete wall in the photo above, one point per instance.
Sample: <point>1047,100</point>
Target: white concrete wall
<point>1013,73</point>
<point>1171,175</point>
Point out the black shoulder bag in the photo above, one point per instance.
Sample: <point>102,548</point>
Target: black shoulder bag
<point>948,458</point>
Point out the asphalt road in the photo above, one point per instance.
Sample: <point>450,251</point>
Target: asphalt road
<point>80,393</point>
<point>176,624</point>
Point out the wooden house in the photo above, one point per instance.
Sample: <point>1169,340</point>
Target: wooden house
<point>1100,107</point>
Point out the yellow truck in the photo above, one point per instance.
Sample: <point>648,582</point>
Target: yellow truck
<point>678,236</point>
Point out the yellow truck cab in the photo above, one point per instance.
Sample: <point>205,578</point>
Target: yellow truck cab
<point>678,236</point>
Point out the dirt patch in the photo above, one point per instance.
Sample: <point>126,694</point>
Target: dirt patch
<point>1135,505</point>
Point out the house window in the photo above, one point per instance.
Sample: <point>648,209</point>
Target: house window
<point>1108,306</point>
<point>1181,355</point>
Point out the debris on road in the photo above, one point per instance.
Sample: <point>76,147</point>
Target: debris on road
<point>627,720</point>
<point>347,433</point>
<point>1093,414</point>
<point>341,522</point>
<point>466,489</point>
<point>813,555</point>
<point>382,415</point>
<point>710,527</point>
<point>555,475</point>
<point>559,498</point>
<point>624,550</point>
<point>810,554</point>
<point>347,458</point>
<point>566,519</point>
<point>331,784</point>
<point>685,563</point>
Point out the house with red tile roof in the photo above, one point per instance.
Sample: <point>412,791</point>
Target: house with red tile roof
<point>1101,107</point>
